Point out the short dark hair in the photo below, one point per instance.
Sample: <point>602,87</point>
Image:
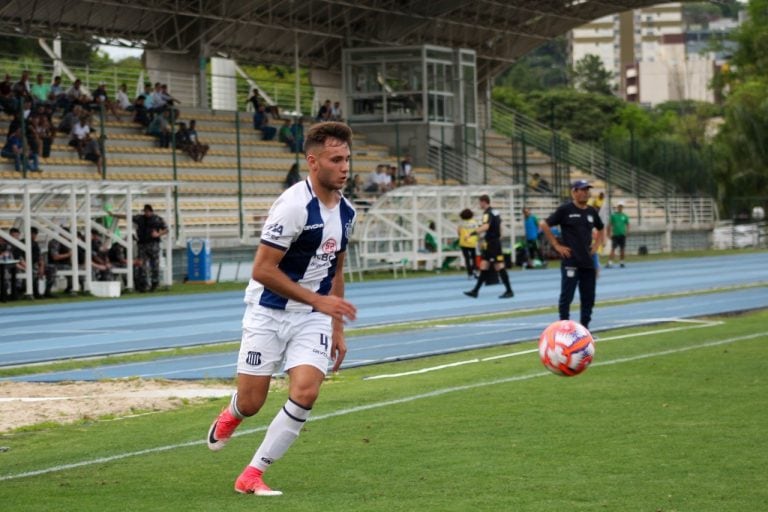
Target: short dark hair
<point>485,199</point>
<point>320,132</point>
<point>14,230</point>
<point>33,230</point>
<point>466,214</point>
<point>148,207</point>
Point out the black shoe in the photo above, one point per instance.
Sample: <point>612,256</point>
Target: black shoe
<point>621,265</point>
<point>507,295</point>
<point>471,293</point>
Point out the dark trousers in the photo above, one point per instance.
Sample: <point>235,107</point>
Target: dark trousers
<point>585,279</point>
<point>149,253</point>
<point>532,247</point>
<point>469,254</point>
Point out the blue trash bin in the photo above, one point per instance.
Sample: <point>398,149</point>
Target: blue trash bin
<point>199,260</point>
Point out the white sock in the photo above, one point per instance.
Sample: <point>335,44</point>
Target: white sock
<point>282,432</point>
<point>233,407</point>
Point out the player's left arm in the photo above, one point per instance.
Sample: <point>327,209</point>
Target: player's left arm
<point>338,342</point>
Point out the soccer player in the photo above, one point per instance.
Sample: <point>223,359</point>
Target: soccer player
<point>491,249</point>
<point>618,227</point>
<point>577,220</point>
<point>295,309</point>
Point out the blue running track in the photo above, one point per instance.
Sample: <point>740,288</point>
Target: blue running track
<point>31,334</point>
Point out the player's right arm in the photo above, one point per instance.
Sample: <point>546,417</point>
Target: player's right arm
<point>562,250</point>
<point>267,272</point>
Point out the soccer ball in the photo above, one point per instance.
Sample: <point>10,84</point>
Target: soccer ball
<point>566,348</point>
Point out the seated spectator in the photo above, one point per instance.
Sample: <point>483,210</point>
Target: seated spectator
<point>297,130</point>
<point>44,131</point>
<point>102,267</point>
<point>76,95</point>
<point>148,102</point>
<point>7,101</point>
<point>170,101</point>
<point>354,187</point>
<point>21,89</point>
<point>92,150</point>
<point>336,114</point>
<point>379,181</point>
<point>261,123</point>
<point>293,176</point>
<point>324,112</point>
<point>80,131</point>
<point>34,142</point>
<point>14,149</point>
<point>123,101</point>
<point>162,100</point>
<point>40,90</point>
<point>160,127</point>
<point>69,119</point>
<point>117,259</point>
<point>392,173</point>
<point>254,101</point>
<point>159,102</point>
<point>140,112</point>
<point>58,95</point>
<point>200,149</point>
<point>59,257</point>
<point>405,174</point>
<point>181,140</point>
<point>285,135</point>
<point>100,97</point>
<point>186,140</point>
<point>538,184</point>
<point>430,243</point>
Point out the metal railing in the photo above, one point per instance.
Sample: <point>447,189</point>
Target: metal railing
<point>185,87</point>
<point>586,157</point>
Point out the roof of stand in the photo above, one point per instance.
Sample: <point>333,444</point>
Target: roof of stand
<point>266,30</point>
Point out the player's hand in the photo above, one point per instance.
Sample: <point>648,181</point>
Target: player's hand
<point>336,307</point>
<point>338,349</point>
<point>563,250</point>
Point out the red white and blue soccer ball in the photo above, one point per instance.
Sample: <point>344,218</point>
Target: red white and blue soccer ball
<point>566,348</point>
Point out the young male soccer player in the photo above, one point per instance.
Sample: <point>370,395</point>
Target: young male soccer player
<point>295,303</point>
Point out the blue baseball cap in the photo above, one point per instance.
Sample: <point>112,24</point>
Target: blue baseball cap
<point>580,184</point>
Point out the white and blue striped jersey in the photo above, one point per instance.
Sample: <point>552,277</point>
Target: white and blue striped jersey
<point>311,236</point>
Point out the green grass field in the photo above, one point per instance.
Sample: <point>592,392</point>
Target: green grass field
<point>668,418</point>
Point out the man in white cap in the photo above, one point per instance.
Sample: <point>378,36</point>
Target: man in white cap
<point>577,221</point>
<point>618,227</point>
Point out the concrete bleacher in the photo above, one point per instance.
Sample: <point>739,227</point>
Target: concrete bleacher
<point>208,203</point>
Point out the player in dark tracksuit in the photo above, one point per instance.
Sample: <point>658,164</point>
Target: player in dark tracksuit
<point>577,220</point>
<point>491,253</point>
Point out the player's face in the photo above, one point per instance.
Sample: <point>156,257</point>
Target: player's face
<point>331,164</point>
<point>580,196</point>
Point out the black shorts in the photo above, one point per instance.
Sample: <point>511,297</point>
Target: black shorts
<point>619,241</point>
<point>492,251</point>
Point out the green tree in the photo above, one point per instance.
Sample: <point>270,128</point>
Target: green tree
<point>743,139</point>
<point>543,68</point>
<point>589,75</point>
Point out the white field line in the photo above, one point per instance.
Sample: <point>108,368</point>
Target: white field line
<point>697,324</point>
<point>377,405</point>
